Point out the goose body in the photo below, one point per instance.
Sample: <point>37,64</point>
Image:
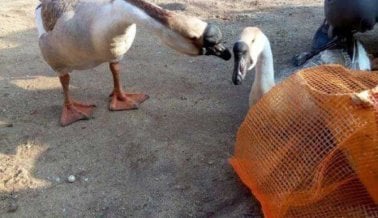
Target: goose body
<point>82,40</point>
<point>81,34</point>
<point>253,50</point>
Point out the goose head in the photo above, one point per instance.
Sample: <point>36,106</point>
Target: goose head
<point>194,37</point>
<point>246,52</point>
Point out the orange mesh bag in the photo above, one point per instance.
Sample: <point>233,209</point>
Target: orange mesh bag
<point>309,147</point>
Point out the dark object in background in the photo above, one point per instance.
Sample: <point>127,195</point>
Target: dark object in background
<point>351,15</point>
<point>343,18</point>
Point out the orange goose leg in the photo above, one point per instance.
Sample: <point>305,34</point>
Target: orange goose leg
<point>121,100</point>
<point>73,110</point>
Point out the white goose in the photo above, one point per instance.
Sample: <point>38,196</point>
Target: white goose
<point>253,51</point>
<point>81,34</point>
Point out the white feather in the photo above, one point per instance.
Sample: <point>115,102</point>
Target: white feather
<point>39,22</point>
<point>362,61</point>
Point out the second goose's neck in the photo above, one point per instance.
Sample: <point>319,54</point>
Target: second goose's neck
<point>264,76</point>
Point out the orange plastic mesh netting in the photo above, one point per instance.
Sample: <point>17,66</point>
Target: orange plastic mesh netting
<point>309,148</point>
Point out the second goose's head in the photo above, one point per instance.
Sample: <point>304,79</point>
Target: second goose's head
<point>246,52</point>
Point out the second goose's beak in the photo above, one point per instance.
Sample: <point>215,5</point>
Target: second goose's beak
<point>241,57</point>
<point>213,43</point>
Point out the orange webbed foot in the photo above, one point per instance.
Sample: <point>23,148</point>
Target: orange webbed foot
<point>126,101</point>
<point>76,111</point>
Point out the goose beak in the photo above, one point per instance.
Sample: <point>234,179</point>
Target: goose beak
<point>240,70</point>
<point>240,62</point>
<point>218,50</point>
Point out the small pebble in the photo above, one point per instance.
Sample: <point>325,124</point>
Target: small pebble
<point>71,178</point>
<point>5,124</point>
<point>181,187</point>
<point>178,187</point>
<point>28,145</point>
<point>12,207</point>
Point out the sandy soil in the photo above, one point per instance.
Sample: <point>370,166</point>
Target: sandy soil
<point>168,159</point>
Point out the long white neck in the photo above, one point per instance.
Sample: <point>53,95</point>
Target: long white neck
<point>264,75</point>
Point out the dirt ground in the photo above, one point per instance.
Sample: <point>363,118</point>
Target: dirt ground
<point>167,159</point>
